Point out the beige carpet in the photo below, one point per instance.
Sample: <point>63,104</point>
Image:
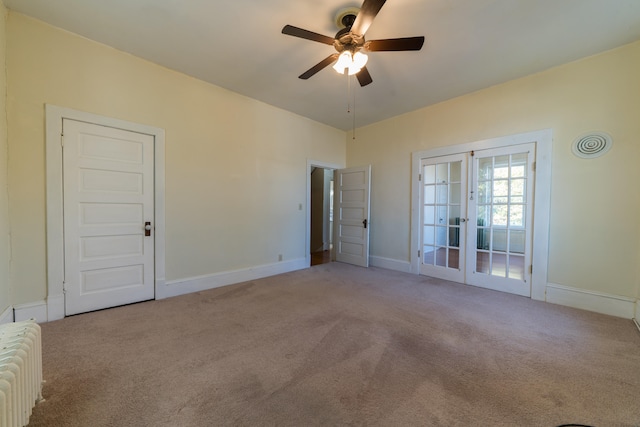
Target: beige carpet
<point>341,345</point>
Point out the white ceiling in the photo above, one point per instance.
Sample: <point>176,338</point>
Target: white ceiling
<point>238,45</point>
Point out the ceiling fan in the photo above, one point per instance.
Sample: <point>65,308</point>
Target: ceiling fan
<point>349,42</point>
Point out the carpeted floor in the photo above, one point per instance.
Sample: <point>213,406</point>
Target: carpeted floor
<point>341,345</point>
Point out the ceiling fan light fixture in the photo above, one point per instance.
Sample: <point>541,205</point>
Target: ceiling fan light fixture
<point>344,61</point>
<point>352,63</point>
<point>360,60</point>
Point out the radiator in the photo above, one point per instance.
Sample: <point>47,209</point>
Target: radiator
<point>20,372</point>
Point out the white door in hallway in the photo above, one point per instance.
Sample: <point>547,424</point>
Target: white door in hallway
<point>351,215</point>
<point>108,182</point>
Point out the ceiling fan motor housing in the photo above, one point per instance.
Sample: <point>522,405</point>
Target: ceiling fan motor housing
<point>348,41</point>
<point>345,40</point>
<point>346,17</point>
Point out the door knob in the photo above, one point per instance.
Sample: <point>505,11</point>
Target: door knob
<point>147,228</point>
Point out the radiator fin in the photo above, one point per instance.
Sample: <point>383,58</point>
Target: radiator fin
<point>20,372</point>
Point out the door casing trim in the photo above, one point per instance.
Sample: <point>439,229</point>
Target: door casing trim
<point>54,199</point>
<point>541,203</point>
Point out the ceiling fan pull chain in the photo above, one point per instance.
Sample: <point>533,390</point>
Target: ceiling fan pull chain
<point>353,134</point>
<point>348,93</point>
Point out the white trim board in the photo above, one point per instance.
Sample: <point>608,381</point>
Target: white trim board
<point>390,264</point>
<point>55,307</point>
<point>211,281</point>
<point>55,235</point>
<point>32,310</point>
<point>599,302</point>
<point>7,315</point>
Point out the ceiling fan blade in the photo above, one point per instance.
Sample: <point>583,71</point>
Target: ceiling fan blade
<point>319,66</point>
<point>364,78</point>
<point>368,11</point>
<point>290,30</point>
<point>406,43</point>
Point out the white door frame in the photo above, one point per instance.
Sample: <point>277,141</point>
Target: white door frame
<point>542,198</point>
<point>55,204</point>
<point>307,240</point>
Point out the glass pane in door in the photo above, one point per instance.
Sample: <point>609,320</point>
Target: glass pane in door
<point>443,188</point>
<point>501,209</point>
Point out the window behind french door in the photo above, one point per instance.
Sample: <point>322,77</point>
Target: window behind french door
<point>477,218</point>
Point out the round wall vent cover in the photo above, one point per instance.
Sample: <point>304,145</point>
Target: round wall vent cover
<point>592,145</point>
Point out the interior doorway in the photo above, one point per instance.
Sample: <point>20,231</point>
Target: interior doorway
<point>321,212</point>
<point>55,116</point>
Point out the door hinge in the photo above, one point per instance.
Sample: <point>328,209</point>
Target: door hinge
<point>531,269</point>
<point>418,253</point>
<point>62,140</point>
<point>64,287</point>
<point>419,177</point>
<point>533,165</point>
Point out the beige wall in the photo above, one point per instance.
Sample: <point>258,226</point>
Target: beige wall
<point>235,167</point>
<point>594,235</point>
<point>4,201</point>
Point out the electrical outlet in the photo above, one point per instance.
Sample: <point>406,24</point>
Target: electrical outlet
<point>299,206</point>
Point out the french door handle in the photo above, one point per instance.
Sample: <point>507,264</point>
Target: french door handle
<point>364,222</point>
<point>463,219</point>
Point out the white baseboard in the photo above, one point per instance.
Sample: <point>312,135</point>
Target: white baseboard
<point>53,308</point>
<point>203,283</point>
<point>6,316</point>
<point>390,264</point>
<point>32,310</point>
<point>613,305</point>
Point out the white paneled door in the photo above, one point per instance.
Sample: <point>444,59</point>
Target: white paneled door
<point>351,215</point>
<point>108,216</point>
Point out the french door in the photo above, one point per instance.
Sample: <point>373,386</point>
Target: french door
<point>477,218</point>
<point>444,186</point>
